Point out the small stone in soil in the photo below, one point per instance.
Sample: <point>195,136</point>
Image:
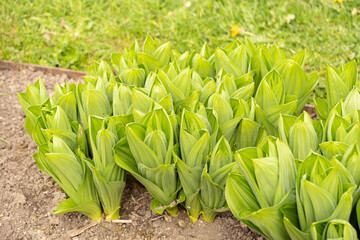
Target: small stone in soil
<point>182,224</point>
<point>167,218</point>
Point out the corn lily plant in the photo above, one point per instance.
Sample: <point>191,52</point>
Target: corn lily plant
<point>233,59</point>
<point>297,84</point>
<point>198,133</point>
<point>244,130</point>
<point>181,88</point>
<point>32,102</point>
<point>275,94</point>
<point>65,98</point>
<point>271,101</point>
<point>213,179</point>
<point>34,121</point>
<point>174,120</point>
<point>108,177</point>
<point>262,194</point>
<point>134,64</point>
<point>325,191</point>
<point>43,122</point>
<point>57,123</point>
<point>122,100</point>
<point>334,229</point>
<point>238,88</point>
<point>35,95</point>
<point>92,100</point>
<point>236,120</point>
<point>351,160</point>
<point>201,62</point>
<point>338,84</point>
<point>341,127</point>
<point>238,59</point>
<point>73,176</point>
<point>150,160</point>
<point>128,69</point>
<point>302,134</point>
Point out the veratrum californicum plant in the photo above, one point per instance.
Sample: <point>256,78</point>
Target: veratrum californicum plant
<point>210,130</point>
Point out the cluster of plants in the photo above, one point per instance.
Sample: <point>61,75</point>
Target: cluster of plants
<point>210,131</point>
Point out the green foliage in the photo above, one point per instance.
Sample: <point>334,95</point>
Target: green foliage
<point>208,130</point>
<point>72,34</point>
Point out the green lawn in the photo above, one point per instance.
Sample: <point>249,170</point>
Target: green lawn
<point>72,33</point>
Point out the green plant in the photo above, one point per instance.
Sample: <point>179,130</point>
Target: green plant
<point>72,174</point>
<point>325,190</point>
<point>262,194</point>
<point>302,134</point>
<point>198,133</point>
<point>338,85</point>
<point>67,35</point>
<point>208,130</point>
<point>109,178</point>
<point>333,229</point>
<point>151,144</point>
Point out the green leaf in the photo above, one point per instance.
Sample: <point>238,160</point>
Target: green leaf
<point>68,172</point>
<point>133,77</point>
<point>221,107</point>
<point>150,63</point>
<point>350,160</point>
<point>96,103</point>
<point>220,156</point>
<point>271,90</point>
<point>302,137</point>
<point>332,149</point>
<point>125,160</point>
<point>223,62</point>
<point>294,232</point>
<point>309,88</point>
<point>273,113</point>
<point>334,229</point>
<point>269,222</point>
<point>202,66</point>
<point>211,194</point>
<point>352,102</point>
<point>265,61</point>
<point>135,133</point>
<point>162,54</point>
<point>299,57</point>
<point>240,59</point>
<point>321,107</point>
<point>175,92</point>
<point>189,177</point>
<point>91,208</point>
<point>295,78</point>
<point>207,90</point>
<point>149,44</point>
<point>335,87</point>
<point>69,137</point>
<point>324,191</point>
<point>349,74</point>
<point>122,100</point>
<point>68,103</point>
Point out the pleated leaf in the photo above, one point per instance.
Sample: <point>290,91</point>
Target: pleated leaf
<point>335,87</point>
<point>222,61</point>
<point>334,229</point>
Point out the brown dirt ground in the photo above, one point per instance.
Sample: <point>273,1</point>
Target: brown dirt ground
<point>28,196</point>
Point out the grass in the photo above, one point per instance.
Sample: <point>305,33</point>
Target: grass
<point>72,33</point>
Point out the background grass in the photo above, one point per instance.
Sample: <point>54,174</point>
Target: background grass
<point>72,33</point>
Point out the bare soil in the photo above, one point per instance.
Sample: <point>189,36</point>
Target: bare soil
<point>28,197</point>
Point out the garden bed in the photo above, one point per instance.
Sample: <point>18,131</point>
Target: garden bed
<point>29,196</point>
